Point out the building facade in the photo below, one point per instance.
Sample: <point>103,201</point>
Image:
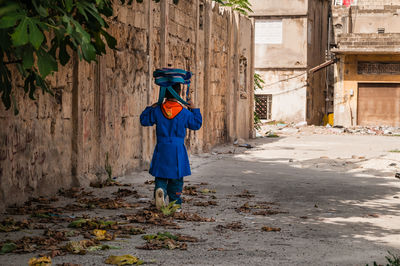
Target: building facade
<point>366,44</point>
<point>291,36</point>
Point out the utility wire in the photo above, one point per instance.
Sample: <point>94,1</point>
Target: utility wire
<point>286,79</point>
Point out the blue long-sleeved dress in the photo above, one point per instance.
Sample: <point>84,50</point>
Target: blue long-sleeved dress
<point>170,158</point>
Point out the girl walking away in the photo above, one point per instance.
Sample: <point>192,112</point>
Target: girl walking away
<point>170,161</point>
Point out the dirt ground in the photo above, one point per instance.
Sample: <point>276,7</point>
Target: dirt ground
<point>329,199</point>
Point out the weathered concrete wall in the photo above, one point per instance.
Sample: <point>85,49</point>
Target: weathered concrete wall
<point>296,96</point>
<point>63,140</point>
<point>289,95</point>
<point>279,8</point>
<point>291,53</point>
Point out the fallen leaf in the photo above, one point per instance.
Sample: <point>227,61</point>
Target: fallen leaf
<point>123,192</point>
<point>206,190</point>
<point>270,229</point>
<point>79,247</point>
<point>8,247</point>
<point>205,203</point>
<point>102,235</point>
<point>101,247</point>
<point>123,260</point>
<point>235,226</point>
<point>245,194</point>
<point>192,217</point>
<point>42,261</point>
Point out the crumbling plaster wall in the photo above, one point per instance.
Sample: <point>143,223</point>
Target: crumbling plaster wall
<point>62,141</point>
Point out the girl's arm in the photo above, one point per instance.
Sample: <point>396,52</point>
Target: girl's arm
<point>195,120</point>
<point>148,118</point>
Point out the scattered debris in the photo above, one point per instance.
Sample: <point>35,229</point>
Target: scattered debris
<point>166,240</point>
<point>80,247</point>
<point>235,226</point>
<point>259,209</point>
<point>245,194</point>
<point>108,183</point>
<point>123,192</point>
<point>190,190</point>
<point>271,229</point>
<point>397,175</point>
<point>205,203</point>
<point>10,225</point>
<point>151,217</point>
<point>373,215</point>
<point>149,182</point>
<point>206,190</point>
<point>216,249</point>
<point>74,192</point>
<point>92,224</point>
<point>106,203</point>
<point>246,145</point>
<point>192,217</point>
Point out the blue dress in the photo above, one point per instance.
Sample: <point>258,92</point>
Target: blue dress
<point>170,158</point>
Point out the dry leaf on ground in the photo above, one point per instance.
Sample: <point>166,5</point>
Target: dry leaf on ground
<point>42,261</point>
<point>205,203</point>
<point>123,260</point>
<point>102,235</point>
<point>192,217</point>
<point>270,229</point>
<point>235,226</point>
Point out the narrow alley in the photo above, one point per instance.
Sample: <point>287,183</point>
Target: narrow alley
<point>296,199</point>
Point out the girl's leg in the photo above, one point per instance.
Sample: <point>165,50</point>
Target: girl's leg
<point>174,189</point>
<point>160,191</point>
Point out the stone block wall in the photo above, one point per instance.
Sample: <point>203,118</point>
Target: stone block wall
<point>62,141</point>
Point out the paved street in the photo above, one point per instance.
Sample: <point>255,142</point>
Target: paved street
<point>335,199</point>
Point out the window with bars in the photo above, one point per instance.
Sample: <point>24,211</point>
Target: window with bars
<point>263,105</point>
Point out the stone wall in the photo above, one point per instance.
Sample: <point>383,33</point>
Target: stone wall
<point>62,141</point>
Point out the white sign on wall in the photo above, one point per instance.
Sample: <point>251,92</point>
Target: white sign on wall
<point>268,31</point>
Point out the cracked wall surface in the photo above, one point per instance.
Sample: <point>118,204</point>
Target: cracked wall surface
<point>62,140</point>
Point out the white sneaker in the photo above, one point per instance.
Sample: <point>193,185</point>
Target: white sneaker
<point>160,202</point>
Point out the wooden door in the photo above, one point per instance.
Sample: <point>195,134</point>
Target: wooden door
<point>378,104</point>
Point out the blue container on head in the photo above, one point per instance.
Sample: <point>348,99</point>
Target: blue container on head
<point>166,77</point>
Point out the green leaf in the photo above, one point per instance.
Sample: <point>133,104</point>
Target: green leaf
<point>9,21</point>
<point>111,41</point>
<point>8,247</point>
<point>46,63</point>
<point>68,5</point>
<point>20,35</point>
<point>63,54</point>
<point>36,36</point>
<point>27,60</point>
<point>82,10</point>
<point>89,52</point>
<point>85,36</point>
<point>40,9</point>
